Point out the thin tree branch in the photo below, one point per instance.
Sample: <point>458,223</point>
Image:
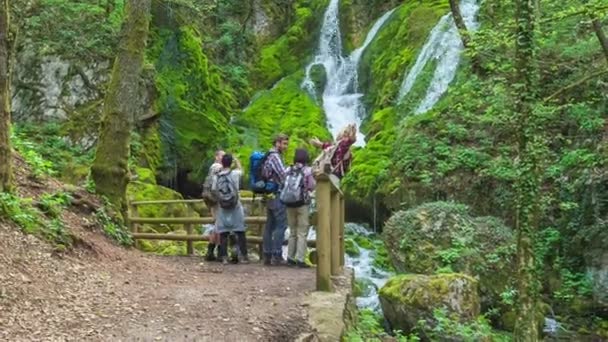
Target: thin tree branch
<point>575,84</point>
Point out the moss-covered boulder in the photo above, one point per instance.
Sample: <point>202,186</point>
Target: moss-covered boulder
<point>407,299</point>
<point>445,237</point>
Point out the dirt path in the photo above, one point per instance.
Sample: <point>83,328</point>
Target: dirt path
<point>101,292</point>
<point>108,293</point>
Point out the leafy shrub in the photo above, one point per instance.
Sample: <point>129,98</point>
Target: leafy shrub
<point>113,228</point>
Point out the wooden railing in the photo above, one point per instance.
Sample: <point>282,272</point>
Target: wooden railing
<point>135,221</point>
<point>329,224</point>
<point>330,230</point>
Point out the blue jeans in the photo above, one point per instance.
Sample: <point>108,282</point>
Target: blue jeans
<point>276,224</point>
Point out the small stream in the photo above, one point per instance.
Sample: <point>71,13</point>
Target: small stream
<point>365,271</point>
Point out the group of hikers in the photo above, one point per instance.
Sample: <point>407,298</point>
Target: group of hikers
<point>286,190</point>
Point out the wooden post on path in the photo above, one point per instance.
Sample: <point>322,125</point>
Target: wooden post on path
<point>134,226</point>
<point>188,226</point>
<point>323,233</point>
<point>342,249</point>
<point>335,232</point>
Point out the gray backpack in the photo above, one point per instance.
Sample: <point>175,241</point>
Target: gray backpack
<point>226,191</point>
<point>293,193</point>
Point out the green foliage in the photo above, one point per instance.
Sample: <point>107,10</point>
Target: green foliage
<point>287,54</point>
<point>447,327</point>
<point>113,228</point>
<point>22,212</point>
<point>369,328</point>
<point>194,103</point>
<point>53,204</point>
<point>40,167</point>
<point>573,285</point>
<point>285,108</point>
<point>395,48</point>
<point>48,152</point>
<point>381,257</point>
<point>72,29</point>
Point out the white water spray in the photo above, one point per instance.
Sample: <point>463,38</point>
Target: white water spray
<point>341,101</point>
<point>445,46</point>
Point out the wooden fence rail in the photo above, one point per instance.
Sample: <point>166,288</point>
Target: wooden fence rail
<point>329,226</point>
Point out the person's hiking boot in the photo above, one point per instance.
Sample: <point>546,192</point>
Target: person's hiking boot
<point>278,261</point>
<point>243,259</point>
<point>225,261</point>
<point>301,264</point>
<point>210,255</point>
<point>234,259</point>
<point>291,262</point>
<point>267,260</point>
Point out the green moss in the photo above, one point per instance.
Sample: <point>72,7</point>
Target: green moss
<point>285,108</point>
<point>381,257</point>
<point>371,164</point>
<point>363,287</point>
<point>145,175</point>
<point>350,247</point>
<point>194,103</point>
<point>151,156</point>
<point>146,189</point>
<point>363,241</point>
<point>286,54</point>
<point>395,49</point>
<point>421,291</point>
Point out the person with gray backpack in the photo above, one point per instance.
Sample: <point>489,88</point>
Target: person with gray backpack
<point>299,183</point>
<point>211,202</point>
<point>230,216</point>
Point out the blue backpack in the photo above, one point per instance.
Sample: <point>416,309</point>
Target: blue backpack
<point>257,182</point>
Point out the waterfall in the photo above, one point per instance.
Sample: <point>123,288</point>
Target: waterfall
<point>445,46</point>
<point>341,101</point>
<point>364,269</point>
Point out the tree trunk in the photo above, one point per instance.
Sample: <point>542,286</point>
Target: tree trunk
<point>527,185</point>
<point>5,101</point>
<point>464,35</point>
<point>110,169</point>
<point>597,27</point>
<point>462,27</point>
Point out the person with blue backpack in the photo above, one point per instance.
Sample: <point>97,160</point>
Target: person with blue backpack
<point>267,176</point>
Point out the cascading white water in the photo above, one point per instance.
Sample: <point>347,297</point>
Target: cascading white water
<point>341,101</point>
<point>364,270</point>
<point>445,46</point>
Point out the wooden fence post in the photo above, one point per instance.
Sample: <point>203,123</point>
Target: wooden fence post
<point>188,226</point>
<point>323,233</point>
<point>335,232</point>
<point>134,226</point>
<point>341,212</point>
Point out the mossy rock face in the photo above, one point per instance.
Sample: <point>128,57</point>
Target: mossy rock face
<point>443,235</point>
<point>286,108</point>
<point>193,101</point>
<point>406,299</point>
<point>286,54</point>
<point>357,16</point>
